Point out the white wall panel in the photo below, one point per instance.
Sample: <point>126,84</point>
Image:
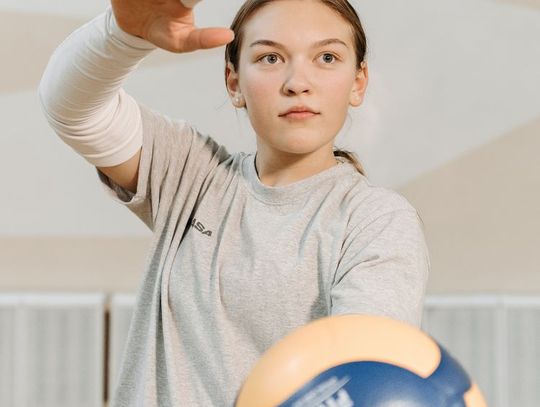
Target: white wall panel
<point>52,345</point>
<point>523,351</point>
<point>468,328</point>
<point>57,348</point>
<point>8,311</point>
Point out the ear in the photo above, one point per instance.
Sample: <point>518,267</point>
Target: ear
<point>360,84</point>
<point>233,88</point>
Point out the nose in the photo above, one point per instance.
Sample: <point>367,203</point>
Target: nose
<point>296,81</point>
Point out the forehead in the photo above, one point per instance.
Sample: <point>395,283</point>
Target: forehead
<point>296,21</point>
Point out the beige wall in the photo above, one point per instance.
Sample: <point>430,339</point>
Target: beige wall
<point>72,263</point>
<point>482,216</point>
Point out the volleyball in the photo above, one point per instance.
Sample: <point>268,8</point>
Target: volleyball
<point>358,360</point>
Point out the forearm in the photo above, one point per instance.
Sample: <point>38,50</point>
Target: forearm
<point>81,94</point>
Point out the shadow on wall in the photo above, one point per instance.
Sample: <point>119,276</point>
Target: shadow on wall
<point>40,34</point>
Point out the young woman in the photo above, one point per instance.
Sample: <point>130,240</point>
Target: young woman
<point>246,247</point>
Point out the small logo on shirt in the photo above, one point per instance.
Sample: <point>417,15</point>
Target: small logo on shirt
<point>200,227</point>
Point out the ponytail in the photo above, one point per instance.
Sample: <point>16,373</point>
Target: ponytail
<point>351,157</point>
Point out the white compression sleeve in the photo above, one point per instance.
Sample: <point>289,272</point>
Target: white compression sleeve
<point>81,93</point>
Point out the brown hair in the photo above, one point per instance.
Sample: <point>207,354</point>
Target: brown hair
<point>232,50</point>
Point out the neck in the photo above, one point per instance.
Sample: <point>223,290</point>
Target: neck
<point>277,173</point>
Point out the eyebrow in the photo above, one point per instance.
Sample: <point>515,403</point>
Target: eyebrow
<point>315,45</point>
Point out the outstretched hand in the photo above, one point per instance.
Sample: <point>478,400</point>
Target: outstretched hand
<point>168,24</point>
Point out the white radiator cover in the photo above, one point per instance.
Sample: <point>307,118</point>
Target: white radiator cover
<point>522,363</point>
<point>52,346</point>
<point>8,327</point>
<point>496,338</point>
<point>56,349</point>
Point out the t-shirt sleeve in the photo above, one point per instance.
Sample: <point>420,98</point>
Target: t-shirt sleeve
<point>176,159</point>
<point>383,268</point>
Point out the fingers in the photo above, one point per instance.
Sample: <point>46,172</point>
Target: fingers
<point>204,38</point>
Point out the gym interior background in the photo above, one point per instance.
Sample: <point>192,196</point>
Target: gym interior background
<point>451,121</point>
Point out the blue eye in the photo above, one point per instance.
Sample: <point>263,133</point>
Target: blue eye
<point>332,57</point>
<point>265,57</point>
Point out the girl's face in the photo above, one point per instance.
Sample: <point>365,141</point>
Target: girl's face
<point>297,53</point>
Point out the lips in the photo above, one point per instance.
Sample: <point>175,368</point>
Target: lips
<point>299,110</point>
<point>299,115</point>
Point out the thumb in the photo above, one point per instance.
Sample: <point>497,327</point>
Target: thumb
<point>204,38</point>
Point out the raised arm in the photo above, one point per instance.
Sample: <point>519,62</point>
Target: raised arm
<point>81,92</point>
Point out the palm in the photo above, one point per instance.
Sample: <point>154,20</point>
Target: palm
<point>167,24</point>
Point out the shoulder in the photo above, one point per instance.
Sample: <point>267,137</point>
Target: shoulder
<point>367,202</point>
<point>369,198</point>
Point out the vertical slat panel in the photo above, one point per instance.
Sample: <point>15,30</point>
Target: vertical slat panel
<point>51,346</point>
<point>468,328</point>
<point>523,352</point>
<point>121,311</point>
<point>63,363</point>
<point>8,311</point>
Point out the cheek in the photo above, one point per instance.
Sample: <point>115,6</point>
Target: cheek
<point>339,86</point>
<point>259,86</point>
<point>261,95</point>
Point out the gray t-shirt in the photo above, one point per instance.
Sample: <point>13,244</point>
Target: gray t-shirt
<point>235,265</point>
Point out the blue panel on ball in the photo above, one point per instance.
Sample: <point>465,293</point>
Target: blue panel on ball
<point>377,384</point>
<point>451,379</point>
